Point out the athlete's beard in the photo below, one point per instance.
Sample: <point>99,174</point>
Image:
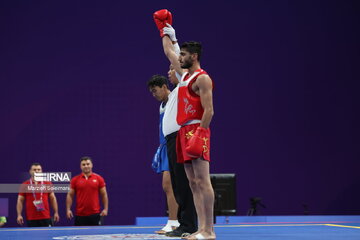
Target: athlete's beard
<point>187,64</point>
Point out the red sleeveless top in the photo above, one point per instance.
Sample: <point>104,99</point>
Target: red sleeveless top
<point>189,104</point>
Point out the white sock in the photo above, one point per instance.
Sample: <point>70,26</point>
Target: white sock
<point>173,223</point>
<point>170,224</point>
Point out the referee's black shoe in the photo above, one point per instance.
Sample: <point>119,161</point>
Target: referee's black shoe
<point>179,232</point>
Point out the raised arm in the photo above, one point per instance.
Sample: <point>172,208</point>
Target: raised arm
<point>163,21</point>
<point>171,48</point>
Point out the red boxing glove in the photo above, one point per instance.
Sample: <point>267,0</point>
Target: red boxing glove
<point>161,18</point>
<point>198,143</point>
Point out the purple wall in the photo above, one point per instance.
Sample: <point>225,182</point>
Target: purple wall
<point>73,83</point>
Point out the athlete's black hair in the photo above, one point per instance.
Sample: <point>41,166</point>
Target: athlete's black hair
<point>192,47</point>
<point>157,80</point>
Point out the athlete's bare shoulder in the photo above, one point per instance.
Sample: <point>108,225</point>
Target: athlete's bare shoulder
<point>203,81</point>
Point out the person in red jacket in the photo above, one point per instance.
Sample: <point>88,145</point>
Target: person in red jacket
<point>87,187</point>
<point>195,112</point>
<point>36,202</point>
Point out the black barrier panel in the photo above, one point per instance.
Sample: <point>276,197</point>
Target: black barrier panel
<point>225,193</point>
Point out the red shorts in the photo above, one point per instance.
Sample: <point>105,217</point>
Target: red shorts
<point>182,141</point>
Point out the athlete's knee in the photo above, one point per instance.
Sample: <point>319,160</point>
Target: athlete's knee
<point>204,184</point>
<point>193,184</point>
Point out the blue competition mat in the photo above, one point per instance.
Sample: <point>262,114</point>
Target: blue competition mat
<point>323,231</point>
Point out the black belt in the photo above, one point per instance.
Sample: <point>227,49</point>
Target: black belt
<point>171,135</point>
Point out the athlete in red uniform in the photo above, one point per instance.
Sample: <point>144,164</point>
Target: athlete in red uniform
<point>195,111</point>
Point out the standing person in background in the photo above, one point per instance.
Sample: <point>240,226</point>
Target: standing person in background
<point>87,187</point>
<point>36,202</point>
